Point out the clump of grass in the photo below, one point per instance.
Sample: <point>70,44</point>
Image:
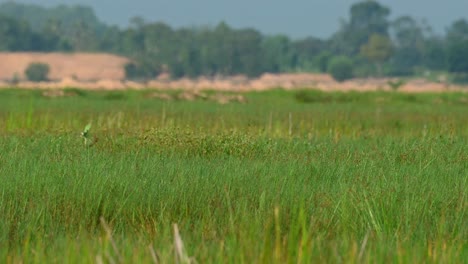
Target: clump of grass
<point>313,96</point>
<point>316,96</point>
<point>115,95</point>
<point>395,85</point>
<point>75,91</point>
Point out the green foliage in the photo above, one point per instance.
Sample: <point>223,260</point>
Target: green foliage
<point>307,50</point>
<point>386,168</point>
<point>410,48</point>
<point>61,28</point>
<point>458,56</point>
<point>377,50</point>
<point>315,96</point>
<point>435,53</point>
<point>322,61</point>
<point>457,36</point>
<point>458,31</point>
<point>366,19</point>
<point>459,78</point>
<point>137,72</point>
<point>341,68</point>
<point>221,50</point>
<point>39,17</point>
<point>369,17</point>
<point>75,92</point>
<point>278,54</point>
<point>37,72</point>
<point>115,95</point>
<point>15,35</point>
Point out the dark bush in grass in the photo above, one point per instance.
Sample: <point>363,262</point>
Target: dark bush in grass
<point>395,85</point>
<point>75,91</point>
<point>138,72</point>
<point>115,96</point>
<point>15,79</point>
<point>341,68</point>
<point>315,96</point>
<point>37,72</point>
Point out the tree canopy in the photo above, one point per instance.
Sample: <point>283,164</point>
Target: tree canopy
<point>377,50</point>
<point>368,38</point>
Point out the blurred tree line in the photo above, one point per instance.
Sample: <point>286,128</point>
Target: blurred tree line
<point>368,44</point>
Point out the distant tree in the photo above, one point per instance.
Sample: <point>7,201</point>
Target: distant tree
<point>83,37</point>
<point>322,60</point>
<point>457,37</point>
<point>458,31</point>
<point>407,32</point>
<point>53,37</point>
<point>223,54</point>
<point>222,50</point>
<point>188,61</point>
<point>435,53</point>
<point>134,72</point>
<point>155,45</point>
<point>307,51</point>
<point>409,45</point>
<point>366,19</point>
<point>369,17</point>
<point>248,50</point>
<point>278,54</point>
<point>137,22</point>
<point>111,40</point>
<point>458,56</point>
<point>131,42</point>
<point>377,50</point>
<point>37,72</point>
<point>458,59</point>
<point>341,68</point>
<point>15,35</point>
<point>38,16</point>
<point>208,51</point>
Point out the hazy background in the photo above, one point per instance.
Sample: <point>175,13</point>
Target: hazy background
<point>344,38</point>
<point>296,18</point>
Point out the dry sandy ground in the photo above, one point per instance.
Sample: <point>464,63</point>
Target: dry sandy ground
<point>241,84</point>
<point>80,66</point>
<point>105,71</point>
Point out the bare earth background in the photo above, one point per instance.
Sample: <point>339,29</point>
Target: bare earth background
<point>106,71</point>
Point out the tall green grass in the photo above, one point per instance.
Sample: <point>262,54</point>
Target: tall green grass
<point>374,177</point>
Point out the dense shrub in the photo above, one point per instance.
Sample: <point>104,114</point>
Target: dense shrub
<point>138,72</point>
<point>458,56</point>
<point>459,78</point>
<point>37,72</point>
<point>316,96</point>
<point>341,68</point>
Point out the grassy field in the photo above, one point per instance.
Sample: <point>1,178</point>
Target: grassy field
<point>289,177</point>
